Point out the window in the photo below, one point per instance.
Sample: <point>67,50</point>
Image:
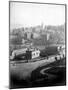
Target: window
<point>37,53</point>
<point>34,54</point>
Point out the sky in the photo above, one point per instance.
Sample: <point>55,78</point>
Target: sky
<point>31,14</point>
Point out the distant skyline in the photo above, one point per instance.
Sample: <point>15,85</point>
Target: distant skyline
<point>31,14</point>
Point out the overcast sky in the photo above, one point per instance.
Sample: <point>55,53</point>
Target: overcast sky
<point>28,14</point>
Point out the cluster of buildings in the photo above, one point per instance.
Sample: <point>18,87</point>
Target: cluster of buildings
<point>22,35</point>
<point>32,53</point>
<point>30,36</point>
<point>26,53</point>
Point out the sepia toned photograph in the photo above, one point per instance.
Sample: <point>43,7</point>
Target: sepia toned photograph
<point>37,44</point>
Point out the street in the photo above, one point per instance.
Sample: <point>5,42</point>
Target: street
<point>40,73</point>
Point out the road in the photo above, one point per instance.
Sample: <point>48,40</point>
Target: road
<point>38,73</point>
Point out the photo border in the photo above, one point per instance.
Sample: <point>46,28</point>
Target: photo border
<point>65,31</point>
